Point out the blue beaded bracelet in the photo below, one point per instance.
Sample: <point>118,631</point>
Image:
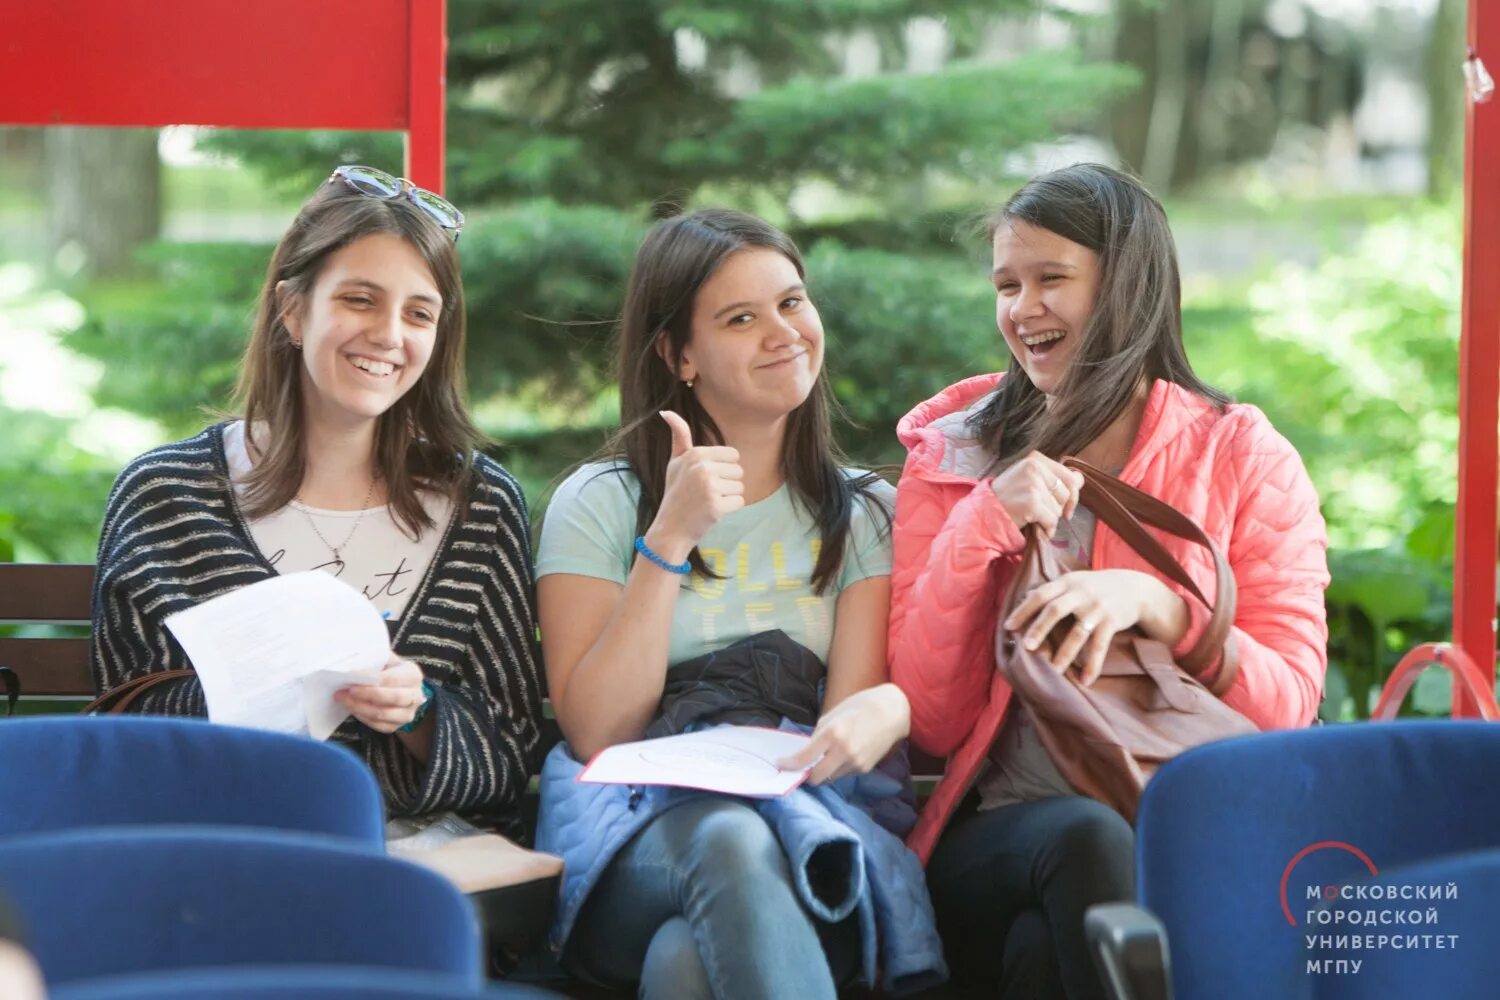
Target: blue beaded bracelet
<point>427,694</point>
<point>681,569</point>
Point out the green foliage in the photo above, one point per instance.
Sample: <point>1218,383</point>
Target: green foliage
<point>1356,362</point>
<point>865,134</point>
<point>52,491</point>
<point>173,346</point>
<point>1370,345</point>
<point>543,284</point>
<point>591,101</point>
<point>900,327</point>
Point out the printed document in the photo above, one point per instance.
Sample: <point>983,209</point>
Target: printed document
<point>271,655</point>
<point>735,760</point>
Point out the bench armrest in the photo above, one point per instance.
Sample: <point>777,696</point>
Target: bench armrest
<point>1129,946</point>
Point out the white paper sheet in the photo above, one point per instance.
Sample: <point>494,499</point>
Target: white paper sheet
<point>270,655</point>
<point>735,760</point>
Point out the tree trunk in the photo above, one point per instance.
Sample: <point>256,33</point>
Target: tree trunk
<point>1169,100</point>
<point>1445,98</point>
<point>1219,77</point>
<point>104,196</point>
<point>1130,115</point>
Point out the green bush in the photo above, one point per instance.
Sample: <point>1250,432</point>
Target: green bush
<point>1356,362</point>
<point>52,492</point>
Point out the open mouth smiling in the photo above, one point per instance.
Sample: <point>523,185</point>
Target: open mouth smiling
<point>1042,341</point>
<point>372,367</point>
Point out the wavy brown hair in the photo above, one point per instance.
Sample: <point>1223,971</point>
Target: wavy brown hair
<point>1134,332</point>
<point>675,259</point>
<point>426,441</point>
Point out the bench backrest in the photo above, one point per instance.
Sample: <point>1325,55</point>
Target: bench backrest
<point>57,667</point>
<point>51,666</point>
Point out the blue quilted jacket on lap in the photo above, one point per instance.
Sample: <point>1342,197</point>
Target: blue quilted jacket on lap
<point>842,860</point>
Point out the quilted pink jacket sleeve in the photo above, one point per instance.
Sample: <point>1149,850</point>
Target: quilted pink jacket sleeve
<point>1278,550</point>
<point>950,543</point>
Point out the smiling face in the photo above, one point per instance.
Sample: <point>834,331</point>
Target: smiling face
<point>757,341</point>
<point>1045,287</point>
<point>367,330</point>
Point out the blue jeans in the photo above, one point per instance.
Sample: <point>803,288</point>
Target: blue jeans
<point>1010,887</point>
<point>701,904</point>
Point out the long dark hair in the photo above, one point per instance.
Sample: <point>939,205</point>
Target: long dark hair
<point>677,256</point>
<point>1133,333</point>
<point>426,440</point>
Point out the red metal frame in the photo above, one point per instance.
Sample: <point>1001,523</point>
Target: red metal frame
<point>1478,690</point>
<point>427,85</point>
<point>345,64</point>
<point>1479,373</point>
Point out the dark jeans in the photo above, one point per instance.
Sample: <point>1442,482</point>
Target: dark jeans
<point>1010,887</point>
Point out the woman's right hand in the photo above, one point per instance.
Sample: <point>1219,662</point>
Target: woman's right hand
<point>1038,490</point>
<point>703,484</point>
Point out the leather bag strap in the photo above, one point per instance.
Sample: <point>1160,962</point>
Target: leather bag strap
<point>1124,509</point>
<point>119,699</point>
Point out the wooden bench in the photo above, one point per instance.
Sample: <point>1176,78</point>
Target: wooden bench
<point>54,666</point>
<point>52,600</point>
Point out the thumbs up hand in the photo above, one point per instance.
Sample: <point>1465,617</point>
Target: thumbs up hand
<point>703,484</point>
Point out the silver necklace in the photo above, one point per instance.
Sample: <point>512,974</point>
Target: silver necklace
<point>338,549</point>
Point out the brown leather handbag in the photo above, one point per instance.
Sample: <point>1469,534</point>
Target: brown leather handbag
<point>1107,739</point>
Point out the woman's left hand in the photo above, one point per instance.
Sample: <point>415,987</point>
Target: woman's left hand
<point>389,705</point>
<point>854,735</point>
<point>1102,603</point>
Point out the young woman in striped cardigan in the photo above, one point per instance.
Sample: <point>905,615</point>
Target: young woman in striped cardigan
<point>353,454</point>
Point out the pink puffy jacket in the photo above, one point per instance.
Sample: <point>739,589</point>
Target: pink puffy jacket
<point>955,548</point>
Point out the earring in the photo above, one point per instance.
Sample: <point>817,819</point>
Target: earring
<point>689,383</point>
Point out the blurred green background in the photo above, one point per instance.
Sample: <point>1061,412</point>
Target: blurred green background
<point>1308,152</point>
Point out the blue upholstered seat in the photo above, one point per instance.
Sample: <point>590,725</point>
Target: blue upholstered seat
<point>83,771</point>
<point>106,902</point>
<point>294,983</point>
<point>1236,839</point>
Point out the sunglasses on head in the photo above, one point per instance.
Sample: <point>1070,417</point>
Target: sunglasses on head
<point>374,183</point>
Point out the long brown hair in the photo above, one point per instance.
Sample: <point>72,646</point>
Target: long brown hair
<point>1133,333</point>
<point>677,256</point>
<point>426,440</point>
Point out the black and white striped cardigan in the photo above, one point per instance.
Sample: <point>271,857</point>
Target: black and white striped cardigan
<point>173,537</point>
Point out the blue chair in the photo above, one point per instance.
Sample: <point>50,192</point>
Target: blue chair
<point>85,771</point>
<point>294,983</point>
<point>107,902</point>
<point>1465,971</point>
<point>1234,839</point>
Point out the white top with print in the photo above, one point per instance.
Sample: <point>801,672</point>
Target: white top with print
<point>380,560</point>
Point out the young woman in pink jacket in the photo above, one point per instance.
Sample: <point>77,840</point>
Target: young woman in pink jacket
<point>1088,302</point>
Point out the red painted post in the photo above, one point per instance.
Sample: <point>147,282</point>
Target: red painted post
<point>347,64</point>
<point>427,93</point>
<point>267,64</point>
<point>1479,372</point>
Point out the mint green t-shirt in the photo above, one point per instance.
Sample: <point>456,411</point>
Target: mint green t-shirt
<point>764,554</point>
